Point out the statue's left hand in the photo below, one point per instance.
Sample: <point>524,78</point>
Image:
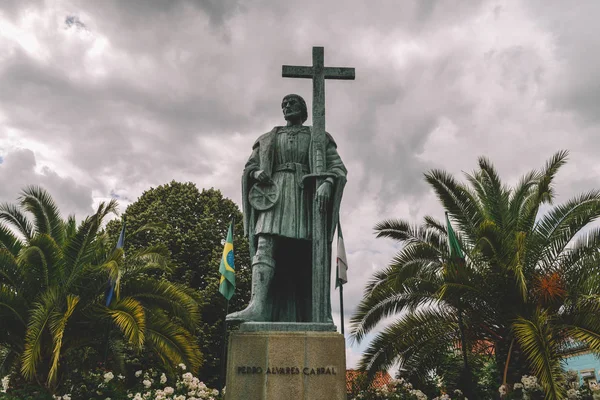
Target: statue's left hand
<point>323,195</point>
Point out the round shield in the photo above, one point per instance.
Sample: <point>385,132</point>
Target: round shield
<point>263,196</point>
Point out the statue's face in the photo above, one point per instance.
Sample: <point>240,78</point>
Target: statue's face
<point>292,108</point>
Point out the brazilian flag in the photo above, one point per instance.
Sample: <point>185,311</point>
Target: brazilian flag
<point>227,268</point>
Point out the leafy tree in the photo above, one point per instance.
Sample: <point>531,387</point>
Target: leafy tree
<point>192,225</point>
<point>53,278</point>
<point>528,284</point>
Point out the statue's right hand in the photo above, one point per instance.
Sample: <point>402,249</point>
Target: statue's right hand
<point>262,176</point>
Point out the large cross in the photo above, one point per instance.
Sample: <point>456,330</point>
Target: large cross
<point>321,273</point>
<point>318,72</point>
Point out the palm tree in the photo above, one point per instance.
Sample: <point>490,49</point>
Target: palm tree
<point>530,282</point>
<point>53,278</point>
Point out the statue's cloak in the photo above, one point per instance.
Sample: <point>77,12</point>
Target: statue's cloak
<point>262,158</point>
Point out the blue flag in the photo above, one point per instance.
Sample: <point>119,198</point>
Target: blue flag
<point>113,282</point>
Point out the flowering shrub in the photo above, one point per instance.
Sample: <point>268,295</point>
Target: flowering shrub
<point>528,388</point>
<point>399,389</point>
<point>586,392</point>
<point>12,387</point>
<point>148,385</point>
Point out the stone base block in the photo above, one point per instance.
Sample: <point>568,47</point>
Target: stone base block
<point>286,366</point>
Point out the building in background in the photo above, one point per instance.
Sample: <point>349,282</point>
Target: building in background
<point>578,357</point>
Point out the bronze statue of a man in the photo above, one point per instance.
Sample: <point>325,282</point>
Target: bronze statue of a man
<point>278,210</point>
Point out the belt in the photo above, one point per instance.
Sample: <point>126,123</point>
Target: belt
<point>292,167</point>
<point>299,169</point>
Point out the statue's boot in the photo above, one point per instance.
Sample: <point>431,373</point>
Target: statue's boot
<point>263,269</point>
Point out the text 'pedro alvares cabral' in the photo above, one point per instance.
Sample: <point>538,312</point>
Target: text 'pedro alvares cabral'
<point>287,371</point>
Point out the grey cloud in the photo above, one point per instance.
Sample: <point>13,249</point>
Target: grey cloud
<point>12,8</point>
<point>575,30</point>
<point>18,171</point>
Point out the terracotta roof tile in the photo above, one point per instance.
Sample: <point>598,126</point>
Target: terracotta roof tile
<point>382,378</point>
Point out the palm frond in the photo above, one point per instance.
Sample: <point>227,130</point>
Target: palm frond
<point>12,215</point>
<point>46,216</point>
<point>544,191</point>
<point>385,302</point>
<point>70,227</point>
<point>405,340</point>
<point>434,224</point>
<point>33,260</point>
<point>549,172</point>
<point>52,256</point>
<point>555,230</point>
<point>9,241</point>
<point>38,321</point>
<point>8,358</point>
<point>176,298</point>
<point>58,322</point>
<point>457,199</point>
<point>10,273</point>
<point>172,343</point>
<point>129,316</point>
<point>537,341</point>
<point>495,201</point>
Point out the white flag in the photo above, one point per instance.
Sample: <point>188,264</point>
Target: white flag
<point>342,261</point>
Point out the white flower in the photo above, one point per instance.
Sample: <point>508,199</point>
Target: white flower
<point>147,383</point>
<point>67,397</point>
<point>163,379</point>
<point>420,395</point>
<point>108,377</point>
<point>180,397</point>
<point>138,396</point>
<point>108,398</point>
<point>518,386</point>
<point>169,390</point>
<point>529,382</point>
<point>5,383</point>
<point>138,373</point>
<point>182,366</point>
<point>502,390</point>
<point>121,377</point>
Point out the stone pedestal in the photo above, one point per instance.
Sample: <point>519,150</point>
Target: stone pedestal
<point>277,365</point>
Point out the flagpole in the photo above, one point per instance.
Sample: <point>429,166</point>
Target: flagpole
<point>340,279</point>
<point>342,305</point>
<point>224,349</point>
<point>122,233</point>
<point>224,346</point>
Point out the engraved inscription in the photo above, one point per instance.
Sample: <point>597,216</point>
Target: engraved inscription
<point>308,371</point>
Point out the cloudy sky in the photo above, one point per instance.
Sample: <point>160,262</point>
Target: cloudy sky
<point>102,99</point>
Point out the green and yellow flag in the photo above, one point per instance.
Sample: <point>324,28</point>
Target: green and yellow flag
<point>227,268</point>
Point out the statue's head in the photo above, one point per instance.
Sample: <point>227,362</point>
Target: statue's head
<point>294,107</point>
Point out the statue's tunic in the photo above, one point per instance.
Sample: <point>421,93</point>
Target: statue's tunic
<point>284,154</point>
<point>290,216</point>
